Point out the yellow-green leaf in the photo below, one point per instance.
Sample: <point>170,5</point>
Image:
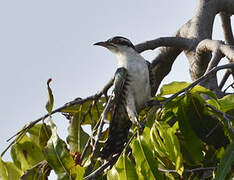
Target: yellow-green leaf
<point>77,137</point>
<point>166,144</point>
<point>146,164</point>
<point>8,171</point>
<point>125,168</point>
<point>26,153</point>
<point>226,163</point>
<point>50,102</point>
<point>227,103</point>
<point>173,88</point>
<point>77,172</point>
<point>57,155</point>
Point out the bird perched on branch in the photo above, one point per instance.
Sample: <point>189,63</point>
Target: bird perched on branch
<point>131,92</point>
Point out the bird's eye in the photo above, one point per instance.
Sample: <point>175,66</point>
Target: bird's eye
<point>116,41</point>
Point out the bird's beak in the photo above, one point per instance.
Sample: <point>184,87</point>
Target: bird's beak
<point>104,44</point>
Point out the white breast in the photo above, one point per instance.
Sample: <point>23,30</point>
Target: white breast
<point>138,72</point>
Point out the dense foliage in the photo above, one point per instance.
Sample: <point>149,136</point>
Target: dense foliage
<point>186,137</point>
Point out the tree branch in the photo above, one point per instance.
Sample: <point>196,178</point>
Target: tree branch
<point>102,121</point>
<point>225,116</point>
<point>187,170</point>
<point>102,168</point>
<point>162,64</point>
<point>227,28</point>
<point>72,103</point>
<point>231,85</point>
<point>224,79</point>
<point>178,42</point>
<point>210,73</point>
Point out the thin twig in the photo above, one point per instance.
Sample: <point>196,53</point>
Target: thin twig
<point>231,85</point>
<point>224,115</point>
<point>187,170</point>
<point>20,136</point>
<point>72,103</point>
<point>89,141</point>
<point>212,130</point>
<point>111,162</point>
<point>216,57</point>
<point>224,79</point>
<point>102,118</point>
<point>102,168</point>
<point>202,78</point>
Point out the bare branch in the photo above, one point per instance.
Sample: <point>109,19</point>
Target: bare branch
<point>224,79</point>
<point>18,138</point>
<point>85,149</point>
<point>207,45</point>
<point>162,64</point>
<point>227,28</point>
<point>228,51</point>
<point>225,116</point>
<point>219,50</point>
<point>102,121</point>
<point>89,141</point>
<point>216,57</point>
<point>213,129</point>
<point>231,85</point>
<point>102,168</point>
<point>187,170</point>
<point>178,42</point>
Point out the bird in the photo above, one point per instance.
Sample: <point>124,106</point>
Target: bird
<point>131,92</point>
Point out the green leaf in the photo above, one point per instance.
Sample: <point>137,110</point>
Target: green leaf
<point>50,102</point>
<point>26,153</point>
<point>166,144</point>
<point>9,171</point>
<point>77,172</point>
<point>173,88</point>
<point>88,115</point>
<point>113,174</point>
<point>34,133</point>
<point>198,90</point>
<point>214,103</point>
<point>125,168</point>
<point>227,103</point>
<point>192,144</point>
<point>39,172</point>
<point>58,156</point>
<point>205,126</point>
<point>77,137</point>
<point>226,163</point>
<point>44,135</point>
<point>146,164</point>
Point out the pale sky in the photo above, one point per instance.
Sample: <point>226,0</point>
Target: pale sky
<point>53,39</point>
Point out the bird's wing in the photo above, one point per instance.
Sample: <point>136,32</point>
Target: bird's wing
<point>120,123</point>
<point>151,77</point>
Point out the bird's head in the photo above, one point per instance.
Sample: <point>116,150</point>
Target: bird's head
<point>117,44</point>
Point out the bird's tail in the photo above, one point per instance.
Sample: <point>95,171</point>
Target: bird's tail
<point>120,122</point>
<point>118,133</point>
